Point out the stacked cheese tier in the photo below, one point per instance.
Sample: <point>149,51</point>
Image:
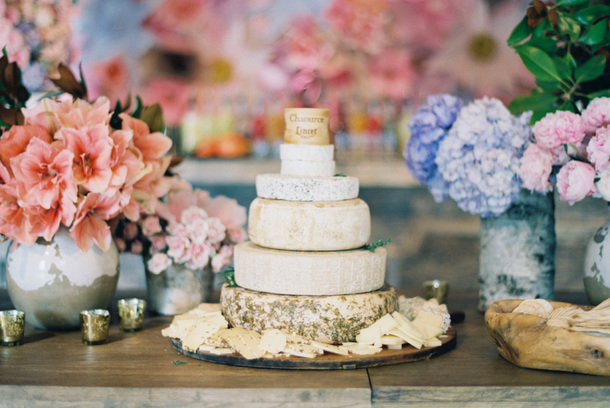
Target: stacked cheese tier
<point>305,270</point>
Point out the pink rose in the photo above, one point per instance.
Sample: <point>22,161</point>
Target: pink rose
<point>536,167</point>
<point>222,258</point>
<point>199,255</point>
<point>599,149</point>
<point>158,263</point>
<point>150,226</point>
<point>558,128</point>
<point>575,181</point>
<point>596,115</point>
<point>178,248</point>
<point>237,235</point>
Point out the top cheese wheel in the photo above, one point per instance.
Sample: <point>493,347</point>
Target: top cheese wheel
<point>306,126</point>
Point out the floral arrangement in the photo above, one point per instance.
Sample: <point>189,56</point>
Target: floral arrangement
<point>572,152</point>
<point>469,153</point>
<point>74,163</point>
<point>189,228</point>
<point>36,35</point>
<point>565,45</point>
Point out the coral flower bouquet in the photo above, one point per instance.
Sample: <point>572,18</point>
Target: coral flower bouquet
<point>66,165</point>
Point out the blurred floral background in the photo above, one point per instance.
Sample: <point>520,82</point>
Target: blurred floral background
<point>224,70</point>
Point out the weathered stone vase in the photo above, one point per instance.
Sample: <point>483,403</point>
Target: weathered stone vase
<point>596,271</point>
<point>517,259</point>
<point>178,289</point>
<point>52,282</point>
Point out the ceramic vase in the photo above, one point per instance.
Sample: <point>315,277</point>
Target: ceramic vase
<point>52,282</point>
<point>596,271</point>
<point>517,259</point>
<point>178,289</point>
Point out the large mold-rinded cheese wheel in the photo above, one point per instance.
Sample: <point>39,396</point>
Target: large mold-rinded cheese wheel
<point>309,273</point>
<point>309,226</point>
<point>307,152</point>
<point>306,168</point>
<point>294,188</point>
<point>328,319</point>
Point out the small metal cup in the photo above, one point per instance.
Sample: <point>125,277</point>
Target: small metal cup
<point>12,323</point>
<point>437,289</point>
<point>131,313</point>
<point>94,326</point>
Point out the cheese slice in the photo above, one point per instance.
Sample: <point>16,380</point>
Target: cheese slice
<point>307,152</point>
<point>309,226</point>
<point>326,319</point>
<point>295,188</point>
<point>306,168</point>
<point>308,273</point>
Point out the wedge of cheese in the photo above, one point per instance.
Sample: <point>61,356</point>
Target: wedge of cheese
<point>296,188</point>
<point>309,273</point>
<point>309,226</point>
<point>326,319</point>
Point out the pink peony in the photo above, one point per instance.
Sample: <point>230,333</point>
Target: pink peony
<point>558,128</point>
<point>158,263</point>
<point>536,167</point>
<point>575,181</point>
<point>596,115</point>
<point>599,149</point>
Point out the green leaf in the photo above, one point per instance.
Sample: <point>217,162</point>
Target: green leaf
<point>546,44</point>
<point>549,87</point>
<point>564,69</point>
<point>178,362</point>
<point>591,69</point>
<point>153,116</point>
<point>590,14</point>
<point>536,101</point>
<point>599,94</point>
<point>520,33</point>
<point>596,33</point>
<point>571,3</point>
<point>537,115</point>
<point>567,106</point>
<point>379,243</point>
<point>538,63</point>
<point>568,25</point>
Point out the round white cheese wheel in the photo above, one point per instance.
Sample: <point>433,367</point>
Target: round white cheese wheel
<point>306,126</point>
<point>306,168</point>
<point>307,152</point>
<point>294,188</point>
<point>308,273</point>
<point>309,226</point>
<point>328,319</point>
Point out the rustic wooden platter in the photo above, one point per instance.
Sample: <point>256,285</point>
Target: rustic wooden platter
<point>527,341</point>
<point>328,361</point>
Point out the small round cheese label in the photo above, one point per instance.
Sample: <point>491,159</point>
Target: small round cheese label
<point>306,126</point>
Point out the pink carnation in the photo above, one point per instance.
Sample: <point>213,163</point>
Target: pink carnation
<point>216,230</point>
<point>599,149</point>
<point>178,248</point>
<point>222,258</point>
<point>558,128</point>
<point>575,181</point>
<point>158,263</point>
<point>199,255</point>
<point>237,235</point>
<point>596,115</point>
<point>536,167</point>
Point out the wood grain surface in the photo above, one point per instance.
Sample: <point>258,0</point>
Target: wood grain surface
<point>54,369</point>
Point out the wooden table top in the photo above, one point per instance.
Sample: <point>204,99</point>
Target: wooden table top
<point>142,369</point>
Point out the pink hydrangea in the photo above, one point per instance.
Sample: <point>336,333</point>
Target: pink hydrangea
<point>596,115</point>
<point>599,149</point>
<point>158,263</point>
<point>536,167</point>
<point>575,181</point>
<point>558,128</point>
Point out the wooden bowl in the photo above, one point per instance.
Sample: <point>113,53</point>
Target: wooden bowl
<point>527,341</point>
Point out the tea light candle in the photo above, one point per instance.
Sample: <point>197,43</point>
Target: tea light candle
<point>94,325</point>
<point>12,324</point>
<point>437,289</point>
<point>131,314</point>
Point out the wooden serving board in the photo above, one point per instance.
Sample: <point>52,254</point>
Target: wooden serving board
<point>328,361</point>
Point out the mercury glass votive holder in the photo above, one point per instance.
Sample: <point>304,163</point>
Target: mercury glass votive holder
<point>12,325</point>
<point>131,314</point>
<point>94,326</point>
<point>436,289</point>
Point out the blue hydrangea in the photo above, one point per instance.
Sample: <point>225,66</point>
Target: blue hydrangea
<point>428,127</point>
<point>479,157</point>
